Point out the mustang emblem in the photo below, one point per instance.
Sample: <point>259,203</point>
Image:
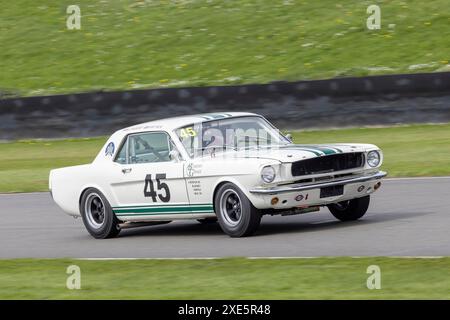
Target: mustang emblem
<point>110,149</point>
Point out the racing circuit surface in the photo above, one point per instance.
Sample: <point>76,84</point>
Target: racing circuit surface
<point>407,217</point>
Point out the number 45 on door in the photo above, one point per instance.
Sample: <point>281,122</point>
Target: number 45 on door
<point>149,188</point>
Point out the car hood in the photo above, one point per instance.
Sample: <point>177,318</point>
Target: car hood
<point>296,152</point>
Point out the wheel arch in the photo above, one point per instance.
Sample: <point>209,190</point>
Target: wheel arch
<point>225,180</point>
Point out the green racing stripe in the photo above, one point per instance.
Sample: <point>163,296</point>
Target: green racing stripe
<point>308,149</point>
<point>329,150</point>
<point>326,151</point>
<point>163,209</point>
<point>319,150</point>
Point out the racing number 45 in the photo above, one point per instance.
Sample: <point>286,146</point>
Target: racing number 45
<point>149,188</point>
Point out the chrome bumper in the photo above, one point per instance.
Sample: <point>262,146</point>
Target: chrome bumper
<point>302,187</point>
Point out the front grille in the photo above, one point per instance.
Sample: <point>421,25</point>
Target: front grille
<point>330,163</point>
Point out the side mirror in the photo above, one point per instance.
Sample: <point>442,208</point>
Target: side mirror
<point>289,137</point>
<point>175,156</point>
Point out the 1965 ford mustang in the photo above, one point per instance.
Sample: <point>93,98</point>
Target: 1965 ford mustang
<point>231,167</point>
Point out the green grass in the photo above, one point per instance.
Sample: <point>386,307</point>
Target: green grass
<point>231,278</point>
<point>126,44</point>
<point>416,150</point>
<point>25,165</point>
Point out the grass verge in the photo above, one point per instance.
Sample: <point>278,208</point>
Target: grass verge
<point>131,44</point>
<point>416,150</point>
<point>231,278</point>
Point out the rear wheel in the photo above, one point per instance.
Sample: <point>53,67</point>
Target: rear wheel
<point>351,209</point>
<point>236,214</point>
<point>98,217</point>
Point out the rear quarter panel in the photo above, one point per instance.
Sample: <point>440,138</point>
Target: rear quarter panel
<point>67,184</point>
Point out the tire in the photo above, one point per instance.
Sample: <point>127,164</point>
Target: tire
<point>98,217</point>
<point>207,220</point>
<point>236,214</point>
<point>350,210</point>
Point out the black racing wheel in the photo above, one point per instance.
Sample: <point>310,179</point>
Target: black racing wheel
<point>236,214</point>
<point>351,209</point>
<point>98,217</point>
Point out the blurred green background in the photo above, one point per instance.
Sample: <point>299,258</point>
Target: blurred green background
<point>130,44</point>
<point>126,44</point>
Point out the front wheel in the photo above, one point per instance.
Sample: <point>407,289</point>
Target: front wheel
<point>98,217</point>
<point>351,209</point>
<point>236,214</point>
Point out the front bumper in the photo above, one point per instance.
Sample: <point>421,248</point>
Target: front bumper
<point>309,195</point>
<point>305,187</point>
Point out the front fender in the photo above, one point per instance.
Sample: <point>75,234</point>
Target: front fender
<point>255,199</point>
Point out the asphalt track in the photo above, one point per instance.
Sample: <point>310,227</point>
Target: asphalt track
<point>407,217</point>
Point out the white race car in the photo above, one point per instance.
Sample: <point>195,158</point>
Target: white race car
<point>232,167</point>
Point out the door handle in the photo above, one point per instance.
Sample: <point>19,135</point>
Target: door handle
<point>126,170</point>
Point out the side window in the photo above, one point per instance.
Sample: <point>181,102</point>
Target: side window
<point>122,155</point>
<point>146,148</point>
<point>149,147</point>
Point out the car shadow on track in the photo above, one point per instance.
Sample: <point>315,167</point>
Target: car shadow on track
<point>267,227</point>
<point>318,226</point>
<point>174,229</point>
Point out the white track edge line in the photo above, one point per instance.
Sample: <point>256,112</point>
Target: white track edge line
<point>265,258</point>
<point>416,178</point>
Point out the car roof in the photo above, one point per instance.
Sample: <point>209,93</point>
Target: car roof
<point>169,124</point>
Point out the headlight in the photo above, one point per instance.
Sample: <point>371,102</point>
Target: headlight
<point>268,174</point>
<point>373,158</point>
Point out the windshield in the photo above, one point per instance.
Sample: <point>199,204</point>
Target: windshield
<point>232,133</point>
